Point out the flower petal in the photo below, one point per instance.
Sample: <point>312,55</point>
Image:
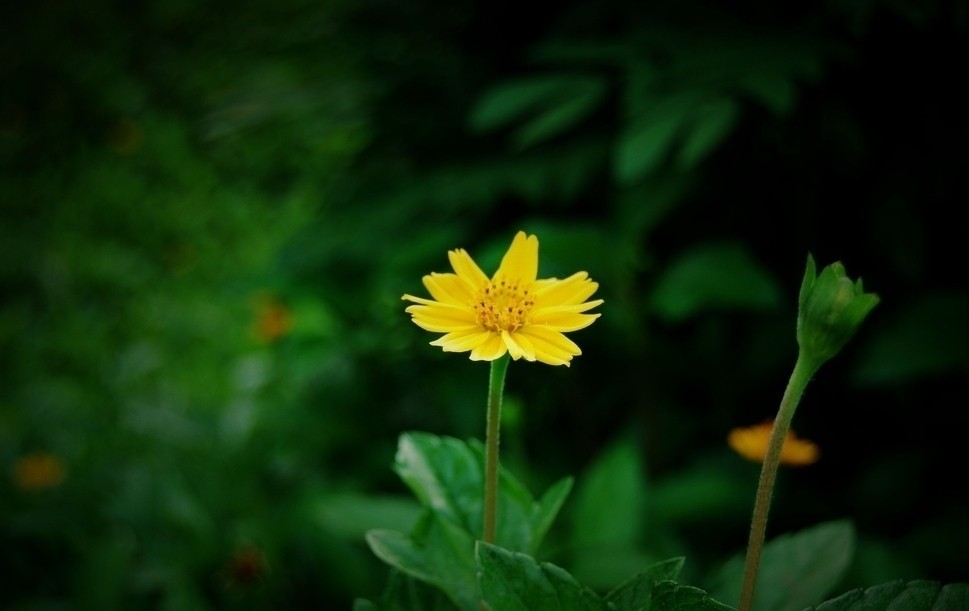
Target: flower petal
<point>436,326</point>
<point>490,349</point>
<point>448,288</point>
<point>442,310</point>
<point>420,300</point>
<point>466,269</point>
<point>751,442</point>
<point>441,318</point>
<point>573,290</point>
<point>462,341</point>
<point>513,348</point>
<point>544,310</point>
<point>798,452</point>
<point>518,345</point>
<point>521,260</point>
<point>562,321</point>
<point>550,346</point>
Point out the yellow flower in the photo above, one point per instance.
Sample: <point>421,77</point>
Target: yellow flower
<point>246,567</point>
<point>38,471</point>
<point>273,318</point>
<point>751,443</point>
<point>511,312</point>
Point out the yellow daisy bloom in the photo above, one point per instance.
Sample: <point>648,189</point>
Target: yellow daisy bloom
<point>751,443</point>
<point>38,471</point>
<point>511,312</point>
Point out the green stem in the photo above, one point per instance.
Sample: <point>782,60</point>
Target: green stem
<point>803,370</point>
<point>496,384</point>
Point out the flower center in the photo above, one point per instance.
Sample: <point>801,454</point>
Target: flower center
<point>503,305</point>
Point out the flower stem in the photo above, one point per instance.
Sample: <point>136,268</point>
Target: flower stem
<point>804,368</point>
<point>496,384</point>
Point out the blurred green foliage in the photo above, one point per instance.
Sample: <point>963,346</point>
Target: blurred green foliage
<point>210,211</point>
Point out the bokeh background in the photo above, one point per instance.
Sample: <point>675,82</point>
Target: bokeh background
<point>211,210</point>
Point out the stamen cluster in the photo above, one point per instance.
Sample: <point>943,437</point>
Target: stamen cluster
<point>503,305</point>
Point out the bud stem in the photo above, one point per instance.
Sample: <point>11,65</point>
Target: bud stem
<point>804,369</point>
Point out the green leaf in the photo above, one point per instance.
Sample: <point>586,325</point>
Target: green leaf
<point>447,476</point>
<point>352,515</point>
<point>105,568</point>
<point>508,102</point>
<point>568,245</point>
<point>607,517</point>
<point>314,320</point>
<point>560,116</point>
<point>644,143</point>
<point>927,337</point>
<point>512,581</point>
<point>721,276</point>
<point>611,499</point>
<point>546,510</point>
<point>404,593</point>
<point>440,553</point>
<point>775,91</point>
<point>880,560</point>
<point>637,592</point>
<point>670,596</point>
<point>807,282</point>
<point>711,125</point>
<point>902,596</point>
<point>796,570</point>
<point>559,101</point>
<point>701,493</point>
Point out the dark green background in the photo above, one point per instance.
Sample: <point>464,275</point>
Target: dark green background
<point>168,167</point>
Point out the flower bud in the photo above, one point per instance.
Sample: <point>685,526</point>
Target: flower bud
<point>830,308</point>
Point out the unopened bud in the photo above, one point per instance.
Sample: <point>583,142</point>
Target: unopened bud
<point>830,308</point>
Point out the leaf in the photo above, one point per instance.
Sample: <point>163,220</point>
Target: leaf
<point>559,101</point>
<point>560,116</point>
<point>607,517</point>
<point>645,205</point>
<point>643,144</point>
<point>444,475</point>
<point>929,336</point>
<point>901,596</point>
<point>570,245</point>
<point>637,592</point>
<point>880,560</point>
<point>546,510</point>
<point>404,593</point>
<point>711,125</point>
<point>611,499</point>
<point>701,493</point>
<point>352,514</point>
<point>441,554</point>
<point>447,476</point>
<point>796,570</point>
<point>775,91</point>
<point>512,581</point>
<point>507,102</point>
<point>103,572</point>
<point>713,276</point>
<point>671,596</point>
